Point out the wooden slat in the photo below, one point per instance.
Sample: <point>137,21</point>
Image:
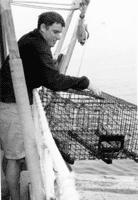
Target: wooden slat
<point>3,50</point>
<point>22,101</point>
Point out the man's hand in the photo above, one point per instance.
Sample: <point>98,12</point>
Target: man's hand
<point>94,89</point>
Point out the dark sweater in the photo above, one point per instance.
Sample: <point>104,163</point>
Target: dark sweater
<point>38,68</point>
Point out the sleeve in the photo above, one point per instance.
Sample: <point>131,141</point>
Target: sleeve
<point>52,79</point>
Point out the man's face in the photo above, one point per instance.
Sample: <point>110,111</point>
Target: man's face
<point>52,33</point>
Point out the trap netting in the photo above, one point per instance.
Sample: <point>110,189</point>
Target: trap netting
<point>89,127</point>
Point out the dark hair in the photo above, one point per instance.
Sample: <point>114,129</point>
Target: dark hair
<point>49,18</point>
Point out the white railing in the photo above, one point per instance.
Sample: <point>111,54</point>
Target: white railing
<point>58,181</point>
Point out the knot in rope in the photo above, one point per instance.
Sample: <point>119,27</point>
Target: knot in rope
<point>83,5</point>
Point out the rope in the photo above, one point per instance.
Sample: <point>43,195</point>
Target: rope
<point>55,56</point>
<point>82,58</point>
<point>67,45</point>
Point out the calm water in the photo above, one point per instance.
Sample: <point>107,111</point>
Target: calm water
<point>124,167</point>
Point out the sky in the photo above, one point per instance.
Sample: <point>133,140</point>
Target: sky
<point>110,52</point>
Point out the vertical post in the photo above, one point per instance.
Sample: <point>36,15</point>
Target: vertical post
<point>2,48</point>
<point>3,51</point>
<point>67,23</point>
<point>67,58</point>
<point>22,101</point>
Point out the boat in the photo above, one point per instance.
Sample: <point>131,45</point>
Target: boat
<point>83,126</point>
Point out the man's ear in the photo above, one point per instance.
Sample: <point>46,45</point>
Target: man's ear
<point>43,27</point>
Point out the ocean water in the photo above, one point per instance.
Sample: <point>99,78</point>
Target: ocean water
<point>109,177</point>
<point>125,167</point>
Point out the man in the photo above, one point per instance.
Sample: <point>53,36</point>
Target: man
<point>39,70</point>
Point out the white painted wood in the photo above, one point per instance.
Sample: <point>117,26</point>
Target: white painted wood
<point>22,100</point>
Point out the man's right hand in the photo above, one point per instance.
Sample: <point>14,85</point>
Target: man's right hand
<point>94,89</point>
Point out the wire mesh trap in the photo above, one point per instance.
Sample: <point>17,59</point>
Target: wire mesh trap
<point>87,127</point>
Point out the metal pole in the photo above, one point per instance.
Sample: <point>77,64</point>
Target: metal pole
<point>3,51</point>
<point>68,21</point>
<point>67,58</point>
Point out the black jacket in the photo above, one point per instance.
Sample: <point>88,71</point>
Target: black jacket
<point>38,68</point>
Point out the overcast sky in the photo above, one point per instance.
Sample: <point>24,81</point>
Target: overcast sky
<point>111,24</point>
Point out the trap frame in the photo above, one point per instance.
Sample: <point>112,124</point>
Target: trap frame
<point>87,127</point>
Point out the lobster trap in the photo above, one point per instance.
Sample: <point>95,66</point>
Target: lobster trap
<point>87,127</point>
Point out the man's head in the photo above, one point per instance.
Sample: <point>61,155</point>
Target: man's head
<point>50,25</point>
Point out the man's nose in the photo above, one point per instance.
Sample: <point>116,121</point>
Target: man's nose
<point>58,36</point>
